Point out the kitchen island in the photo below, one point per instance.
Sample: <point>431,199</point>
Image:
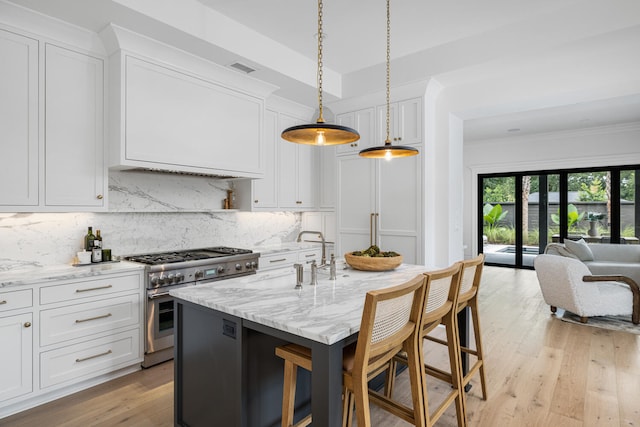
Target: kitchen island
<point>226,372</point>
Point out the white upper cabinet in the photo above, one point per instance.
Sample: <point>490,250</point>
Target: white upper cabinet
<point>19,175</point>
<point>405,122</point>
<point>296,170</point>
<point>264,190</point>
<point>74,129</point>
<point>174,120</point>
<point>364,122</point>
<point>51,127</point>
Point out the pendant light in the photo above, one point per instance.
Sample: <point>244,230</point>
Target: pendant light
<point>388,151</point>
<point>320,133</point>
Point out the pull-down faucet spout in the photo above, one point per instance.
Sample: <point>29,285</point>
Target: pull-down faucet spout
<point>323,261</point>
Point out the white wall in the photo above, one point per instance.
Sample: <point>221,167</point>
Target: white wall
<point>602,146</point>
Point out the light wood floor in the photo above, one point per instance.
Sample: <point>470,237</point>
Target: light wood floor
<point>541,372</point>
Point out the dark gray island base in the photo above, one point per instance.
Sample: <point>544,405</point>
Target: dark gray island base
<point>227,373</point>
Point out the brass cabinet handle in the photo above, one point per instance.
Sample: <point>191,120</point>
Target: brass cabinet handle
<point>27,324</point>
<point>375,223</point>
<point>94,289</point>
<point>82,359</point>
<point>99,197</point>
<point>371,230</point>
<point>3,302</point>
<point>94,318</point>
<point>255,201</point>
<point>299,202</point>
<point>277,260</point>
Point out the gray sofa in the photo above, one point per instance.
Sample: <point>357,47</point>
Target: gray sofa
<point>602,258</point>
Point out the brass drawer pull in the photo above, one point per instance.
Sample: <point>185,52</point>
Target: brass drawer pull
<point>27,324</point>
<point>309,255</point>
<point>94,318</point>
<point>277,260</point>
<point>82,359</point>
<point>3,302</point>
<point>94,289</point>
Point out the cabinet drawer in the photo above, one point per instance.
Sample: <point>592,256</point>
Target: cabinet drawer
<point>278,260</point>
<point>82,320</point>
<point>14,300</point>
<point>89,288</point>
<point>309,255</point>
<point>89,359</point>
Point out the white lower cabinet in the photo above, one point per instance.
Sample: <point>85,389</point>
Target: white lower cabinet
<point>89,358</point>
<point>62,336</point>
<point>277,260</point>
<point>16,361</point>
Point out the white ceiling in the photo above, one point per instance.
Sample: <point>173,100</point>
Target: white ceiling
<point>588,46</point>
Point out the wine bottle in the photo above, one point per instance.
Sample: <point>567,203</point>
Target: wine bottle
<point>89,240</point>
<point>97,243</point>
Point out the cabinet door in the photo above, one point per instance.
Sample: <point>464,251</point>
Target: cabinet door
<point>74,136</point>
<point>18,120</point>
<point>399,207</point>
<point>409,119</point>
<point>356,202</point>
<point>364,122</point>
<point>16,358</point>
<point>328,183</point>
<point>265,189</point>
<point>405,122</point>
<point>306,176</point>
<point>287,167</point>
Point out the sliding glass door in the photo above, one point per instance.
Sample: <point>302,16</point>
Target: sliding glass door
<point>520,213</point>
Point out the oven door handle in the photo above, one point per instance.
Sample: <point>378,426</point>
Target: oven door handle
<point>154,296</point>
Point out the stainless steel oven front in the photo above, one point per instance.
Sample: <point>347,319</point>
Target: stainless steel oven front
<point>160,319</point>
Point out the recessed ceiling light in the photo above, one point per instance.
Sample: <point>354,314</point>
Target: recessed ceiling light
<point>513,130</point>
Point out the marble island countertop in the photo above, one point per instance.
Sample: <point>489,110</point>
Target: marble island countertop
<point>32,275</point>
<point>327,312</point>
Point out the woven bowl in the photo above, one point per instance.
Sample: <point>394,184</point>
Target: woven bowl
<point>372,263</point>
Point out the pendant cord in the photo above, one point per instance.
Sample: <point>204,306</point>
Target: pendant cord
<point>320,37</point>
<point>388,140</point>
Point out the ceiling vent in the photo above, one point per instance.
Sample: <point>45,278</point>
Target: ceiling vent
<point>241,67</point>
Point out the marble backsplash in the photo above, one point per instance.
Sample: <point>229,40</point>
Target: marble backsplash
<point>147,213</point>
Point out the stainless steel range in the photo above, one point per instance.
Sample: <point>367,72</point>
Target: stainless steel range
<point>172,270</point>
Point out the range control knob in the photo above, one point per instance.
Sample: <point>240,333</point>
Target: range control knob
<point>238,267</point>
<point>170,278</point>
<point>247,265</point>
<point>179,277</point>
<point>254,264</point>
<point>199,274</point>
<point>220,270</point>
<point>155,280</point>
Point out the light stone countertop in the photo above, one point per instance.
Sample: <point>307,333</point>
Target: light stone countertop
<point>33,275</point>
<point>326,313</point>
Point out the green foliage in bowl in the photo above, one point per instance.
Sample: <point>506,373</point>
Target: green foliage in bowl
<point>375,252</point>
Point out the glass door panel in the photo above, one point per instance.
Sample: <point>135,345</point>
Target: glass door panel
<point>498,213</point>
<point>589,208</point>
<point>629,212</point>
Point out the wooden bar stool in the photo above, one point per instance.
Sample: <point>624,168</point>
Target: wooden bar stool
<point>468,297</point>
<point>440,308</point>
<point>390,321</point>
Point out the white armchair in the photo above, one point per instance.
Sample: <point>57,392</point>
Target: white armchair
<point>567,283</point>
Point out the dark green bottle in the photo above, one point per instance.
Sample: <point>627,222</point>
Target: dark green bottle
<point>89,240</point>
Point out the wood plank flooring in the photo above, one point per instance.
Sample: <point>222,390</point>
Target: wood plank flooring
<point>540,371</point>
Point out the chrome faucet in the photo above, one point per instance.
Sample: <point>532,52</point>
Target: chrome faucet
<point>323,261</point>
